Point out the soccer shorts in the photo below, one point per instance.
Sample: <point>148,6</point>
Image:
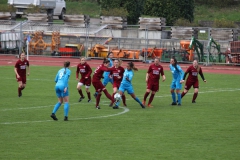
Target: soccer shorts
<point>176,85</point>
<point>153,86</point>
<point>86,82</point>
<point>116,84</point>
<point>22,79</point>
<point>189,84</point>
<point>124,88</point>
<point>98,86</point>
<point>60,91</point>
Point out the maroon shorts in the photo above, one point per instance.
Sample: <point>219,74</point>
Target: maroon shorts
<point>22,79</point>
<point>116,84</point>
<point>153,86</point>
<point>98,86</point>
<point>86,82</point>
<point>189,84</point>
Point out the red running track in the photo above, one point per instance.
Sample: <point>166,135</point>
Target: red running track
<point>9,60</point>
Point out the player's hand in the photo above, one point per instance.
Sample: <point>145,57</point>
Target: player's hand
<point>119,77</point>
<point>77,79</point>
<point>205,81</point>
<point>18,76</point>
<point>182,81</point>
<point>65,90</point>
<point>28,73</point>
<point>86,77</point>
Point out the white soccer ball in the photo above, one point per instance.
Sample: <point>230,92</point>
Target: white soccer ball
<point>117,97</point>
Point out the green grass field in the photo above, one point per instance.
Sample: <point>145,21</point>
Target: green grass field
<point>208,129</point>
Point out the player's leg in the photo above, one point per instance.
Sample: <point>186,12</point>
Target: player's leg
<point>88,93</point>
<point>59,94</point>
<point>124,100</point>
<point>114,92</point>
<point>98,91</point>
<point>131,92</point>
<point>99,94</point>
<point>108,95</point>
<point>79,88</point>
<point>20,85</point>
<point>66,106</point>
<point>187,86</point>
<point>155,88</point>
<point>117,103</point>
<point>172,91</point>
<point>178,92</point>
<point>195,94</point>
<point>146,95</point>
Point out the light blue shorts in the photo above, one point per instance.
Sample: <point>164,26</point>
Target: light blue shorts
<point>106,80</point>
<point>176,85</point>
<point>124,88</point>
<point>60,91</point>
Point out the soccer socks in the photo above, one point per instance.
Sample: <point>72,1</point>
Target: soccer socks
<point>183,94</point>
<point>173,97</point>
<point>179,98</point>
<point>80,92</point>
<point>151,99</point>
<point>138,100</point>
<point>194,96</point>
<point>89,95</point>
<point>108,95</point>
<point>145,96</point>
<point>98,99</point>
<point>56,107</point>
<point>66,109</point>
<point>19,90</point>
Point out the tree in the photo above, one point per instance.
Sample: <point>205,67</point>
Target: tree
<point>133,7</point>
<point>170,9</point>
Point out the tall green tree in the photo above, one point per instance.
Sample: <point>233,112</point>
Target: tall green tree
<point>133,7</point>
<point>170,9</point>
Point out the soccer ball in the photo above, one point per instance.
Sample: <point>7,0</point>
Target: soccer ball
<point>117,97</point>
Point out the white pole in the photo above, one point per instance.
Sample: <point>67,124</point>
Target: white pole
<point>27,49</point>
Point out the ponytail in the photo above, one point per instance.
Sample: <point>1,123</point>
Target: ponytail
<point>132,66</point>
<point>66,65</point>
<point>105,61</point>
<point>175,64</point>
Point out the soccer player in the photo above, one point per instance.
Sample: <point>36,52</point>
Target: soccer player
<point>152,80</point>
<point>192,79</point>
<point>85,70</point>
<point>117,75</point>
<point>96,81</point>
<point>106,77</point>
<point>21,68</point>
<point>126,84</point>
<point>61,89</point>
<point>177,74</point>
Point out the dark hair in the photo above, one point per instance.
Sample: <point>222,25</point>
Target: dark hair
<point>66,64</point>
<point>105,61</point>
<point>132,66</point>
<point>109,54</point>
<point>175,63</point>
<point>19,56</point>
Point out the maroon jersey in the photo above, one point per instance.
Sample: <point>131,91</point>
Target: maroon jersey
<point>21,67</point>
<point>116,73</point>
<point>193,73</point>
<point>84,69</point>
<point>154,72</point>
<point>98,73</point>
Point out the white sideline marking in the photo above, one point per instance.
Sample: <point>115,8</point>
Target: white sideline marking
<point>125,110</point>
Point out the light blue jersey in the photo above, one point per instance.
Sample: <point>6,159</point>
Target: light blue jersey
<point>126,84</point>
<point>61,80</point>
<point>177,77</point>
<point>106,77</point>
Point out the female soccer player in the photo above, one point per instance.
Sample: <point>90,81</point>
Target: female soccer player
<point>152,80</point>
<point>85,70</point>
<point>106,77</point>
<point>61,89</point>
<point>20,70</point>
<point>126,84</point>
<point>192,79</point>
<point>177,74</point>
<point>96,81</point>
<point>117,75</point>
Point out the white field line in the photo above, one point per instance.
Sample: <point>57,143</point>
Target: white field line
<point>125,110</point>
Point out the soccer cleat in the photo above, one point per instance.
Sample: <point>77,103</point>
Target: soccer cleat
<point>95,95</point>
<point>124,104</point>
<point>65,118</point>
<point>193,101</point>
<point>174,103</point>
<point>150,106</point>
<point>53,117</point>
<point>143,106</point>
<point>80,99</point>
<point>98,107</point>
<point>144,102</point>
<point>111,104</point>
<point>89,101</point>
<point>179,104</point>
<point>115,107</point>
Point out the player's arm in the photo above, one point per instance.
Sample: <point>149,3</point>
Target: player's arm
<point>185,74</point>
<point>163,75</point>
<point>15,70</point>
<point>130,76</point>
<point>202,76</point>
<point>181,73</point>
<point>56,78</point>
<point>66,81</point>
<point>147,76</point>
<point>77,73</point>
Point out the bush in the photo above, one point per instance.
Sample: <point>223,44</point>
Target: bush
<point>223,23</point>
<point>184,22</point>
<point>121,12</point>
